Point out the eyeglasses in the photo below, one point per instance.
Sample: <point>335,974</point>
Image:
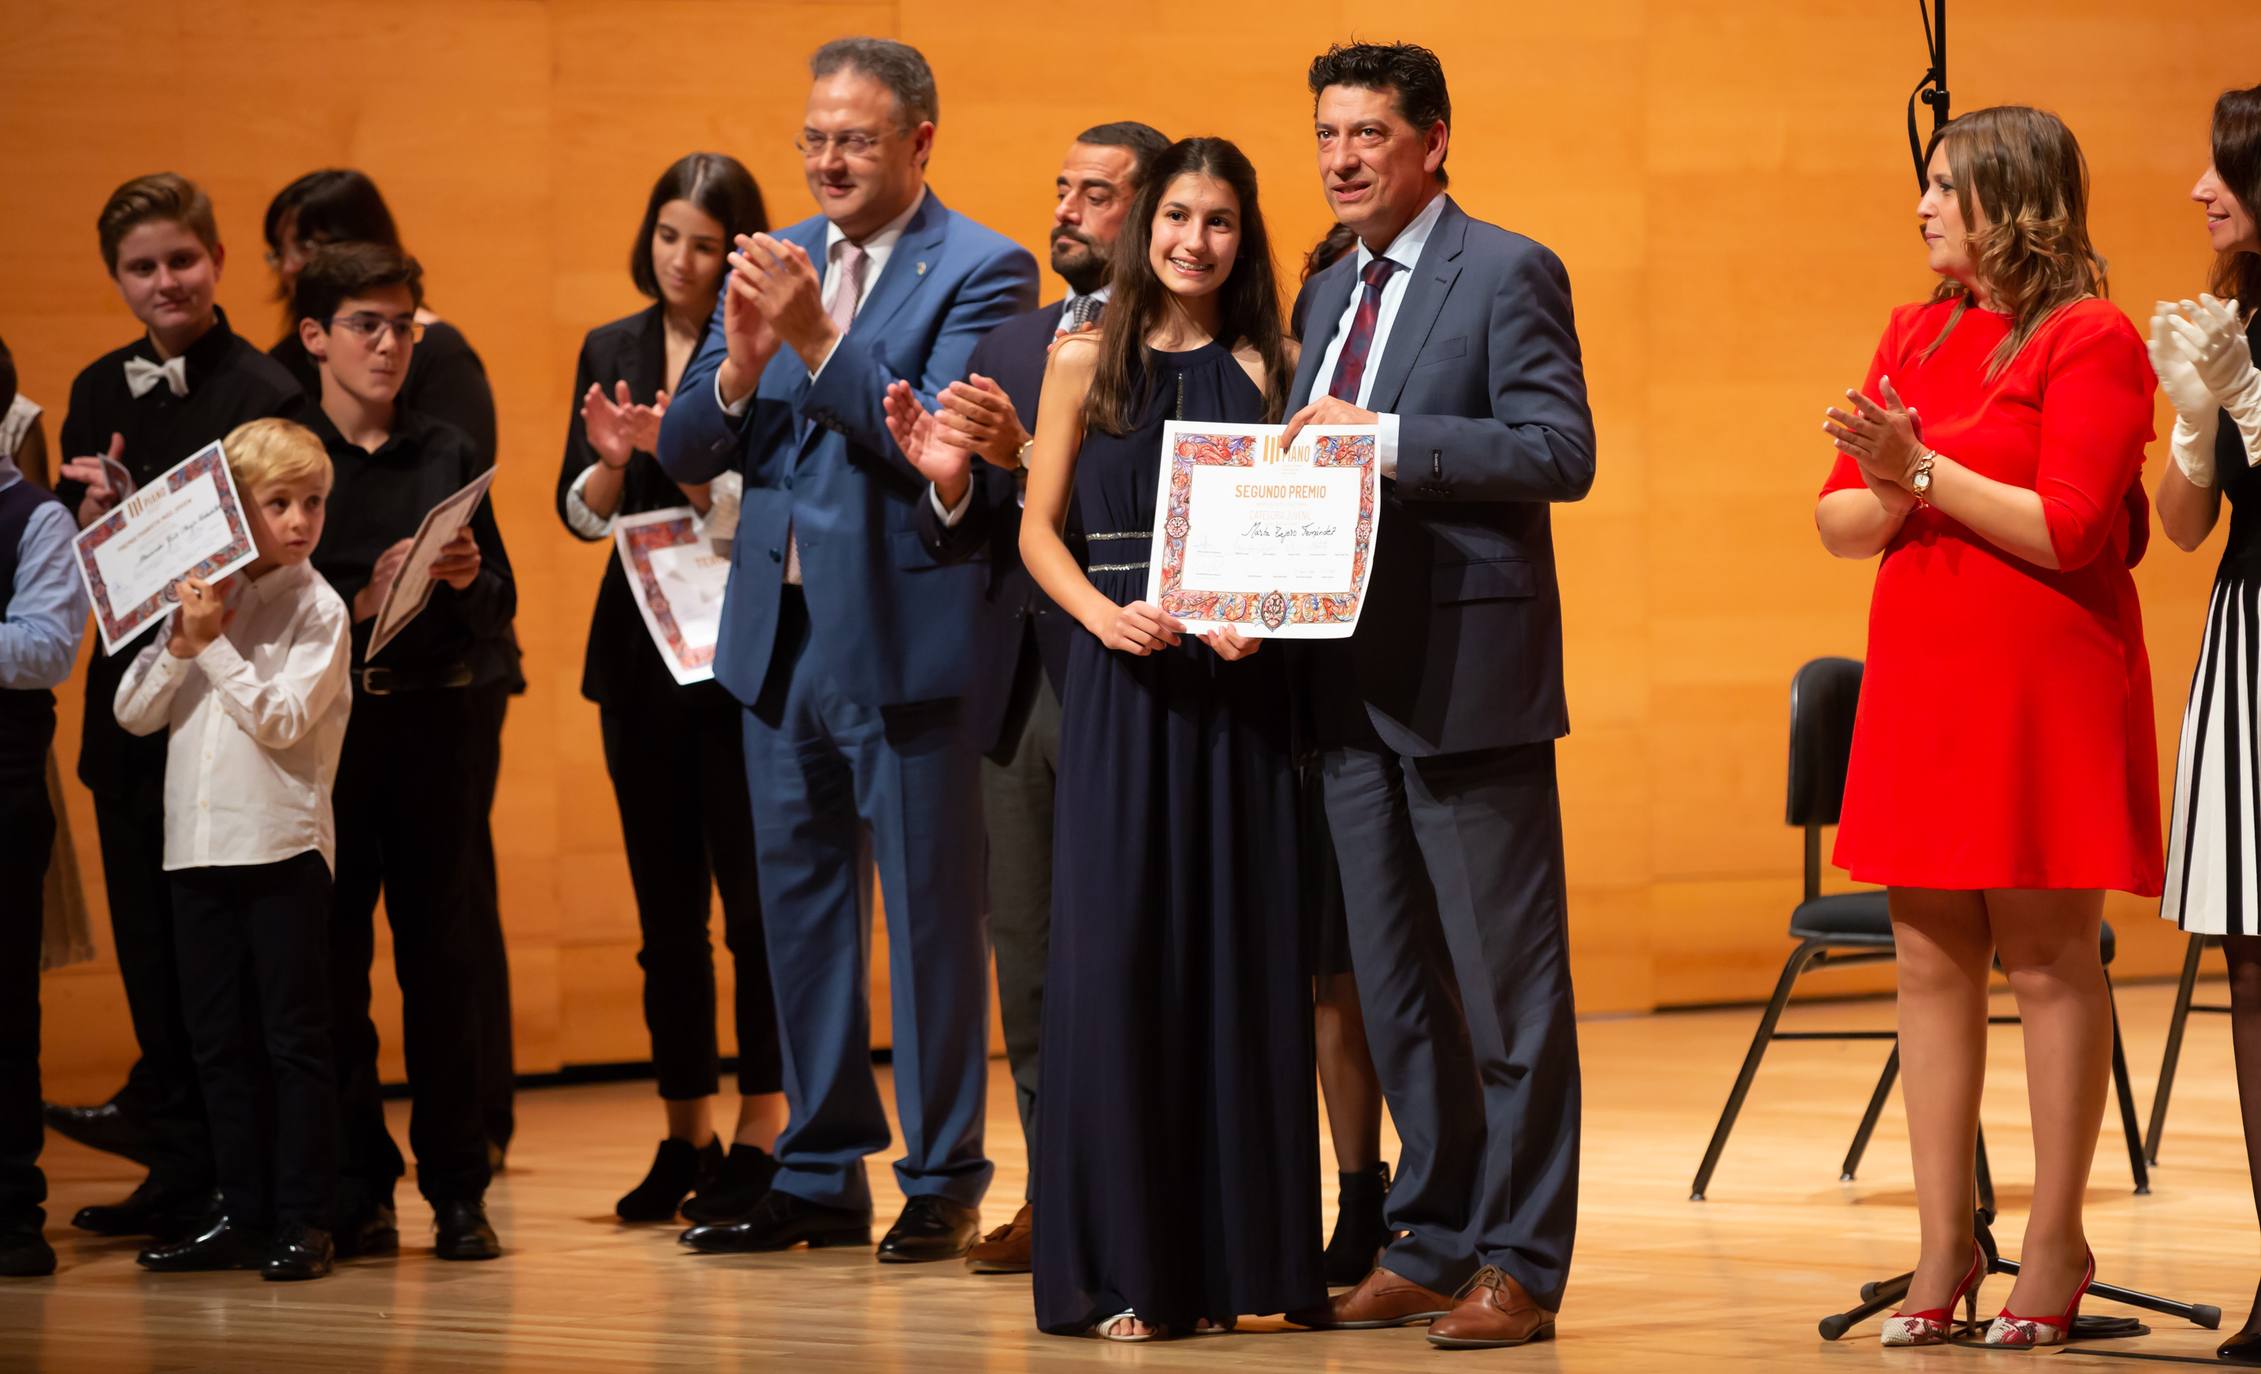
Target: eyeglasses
<point>855,145</point>
<point>404,330</point>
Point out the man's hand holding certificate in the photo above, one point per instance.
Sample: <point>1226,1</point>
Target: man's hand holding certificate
<point>1264,538</point>
<point>189,523</point>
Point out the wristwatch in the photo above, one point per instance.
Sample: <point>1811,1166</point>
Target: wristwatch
<point>1020,455</point>
<point>1919,476</point>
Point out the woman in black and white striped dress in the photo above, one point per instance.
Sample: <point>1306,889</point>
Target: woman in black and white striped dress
<point>2203,351</point>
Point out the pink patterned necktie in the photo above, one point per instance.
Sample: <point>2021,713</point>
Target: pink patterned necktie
<point>848,267</point>
<point>1350,368</point>
<point>848,261</point>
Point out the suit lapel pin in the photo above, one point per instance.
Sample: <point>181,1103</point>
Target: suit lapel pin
<point>922,269</point>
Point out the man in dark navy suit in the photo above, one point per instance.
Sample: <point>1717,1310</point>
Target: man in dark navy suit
<point>851,646</point>
<point>1013,705</point>
<point>1437,720</point>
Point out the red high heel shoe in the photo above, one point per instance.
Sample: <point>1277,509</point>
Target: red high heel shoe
<point>1932,1325</point>
<point>2012,1330</point>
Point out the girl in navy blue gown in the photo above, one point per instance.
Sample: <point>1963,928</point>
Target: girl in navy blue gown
<point>1177,1160</point>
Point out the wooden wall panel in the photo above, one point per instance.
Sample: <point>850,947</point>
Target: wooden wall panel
<point>1727,181</point>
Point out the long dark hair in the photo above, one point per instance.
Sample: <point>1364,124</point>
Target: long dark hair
<point>722,189</point>
<point>2237,160</point>
<point>1248,312</point>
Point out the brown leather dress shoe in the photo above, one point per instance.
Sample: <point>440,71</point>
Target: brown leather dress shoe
<point>1006,1250</point>
<point>1492,1311</point>
<point>1384,1299</point>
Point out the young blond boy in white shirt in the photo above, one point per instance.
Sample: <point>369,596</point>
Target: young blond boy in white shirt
<point>252,680</point>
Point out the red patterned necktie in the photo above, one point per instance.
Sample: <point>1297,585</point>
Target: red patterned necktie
<point>1350,368</point>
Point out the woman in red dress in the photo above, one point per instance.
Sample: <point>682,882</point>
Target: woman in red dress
<point>2004,769</point>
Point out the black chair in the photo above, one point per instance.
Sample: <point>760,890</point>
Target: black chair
<point>1843,929</point>
<point>2184,1006</point>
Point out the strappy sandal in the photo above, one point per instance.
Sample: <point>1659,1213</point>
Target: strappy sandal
<point>1105,1329</point>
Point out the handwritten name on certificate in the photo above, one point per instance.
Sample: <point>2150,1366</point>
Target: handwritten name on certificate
<point>1268,540</point>
<point>188,523</point>
<point>678,580</point>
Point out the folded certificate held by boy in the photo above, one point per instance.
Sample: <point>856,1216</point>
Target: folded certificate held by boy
<point>411,590</point>
<point>1267,540</point>
<point>188,523</point>
<point>677,578</point>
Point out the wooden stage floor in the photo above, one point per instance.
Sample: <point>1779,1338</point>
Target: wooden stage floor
<point>1736,1282</point>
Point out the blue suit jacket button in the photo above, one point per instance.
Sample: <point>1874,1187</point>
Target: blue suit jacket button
<point>776,555</point>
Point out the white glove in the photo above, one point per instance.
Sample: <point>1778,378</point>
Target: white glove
<point>2218,348</point>
<point>2197,413</point>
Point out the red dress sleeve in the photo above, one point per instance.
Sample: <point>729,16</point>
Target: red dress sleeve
<point>2095,422</point>
<point>1845,474</point>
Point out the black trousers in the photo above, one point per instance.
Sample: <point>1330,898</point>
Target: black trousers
<point>1453,883</point>
<point>408,820</point>
<point>162,1086</point>
<point>680,777</point>
<point>254,948</point>
<point>498,1063</point>
<point>27,834</point>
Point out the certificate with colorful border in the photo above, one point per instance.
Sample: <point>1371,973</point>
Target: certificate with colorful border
<point>188,523</point>
<point>678,580</point>
<point>1271,541</point>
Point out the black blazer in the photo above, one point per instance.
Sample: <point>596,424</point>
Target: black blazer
<point>623,669</point>
<point>1460,643</point>
<point>1014,610</point>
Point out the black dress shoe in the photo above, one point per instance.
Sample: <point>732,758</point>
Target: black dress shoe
<point>676,1170</point>
<point>25,1254</point>
<point>781,1221</point>
<point>109,1128</point>
<point>2245,1346</point>
<point>375,1231</point>
<point>226,1244</point>
<point>462,1231</point>
<point>300,1252</point>
<point>931,1228</point>
<point>169,1214</point>
<point>746,1174</point>
<point>1360,1230</point>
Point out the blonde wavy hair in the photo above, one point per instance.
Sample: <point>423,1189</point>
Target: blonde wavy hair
<point>2024,170</point>
<point>270,449</point>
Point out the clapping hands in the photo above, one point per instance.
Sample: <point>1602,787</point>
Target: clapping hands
<point>619,427</point>
<point>2207,335</point>
<point>1884,439</point>
<point>938,451</point>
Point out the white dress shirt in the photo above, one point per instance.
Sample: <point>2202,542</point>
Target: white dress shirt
<point>1405,251</point>
<point>257,721</point>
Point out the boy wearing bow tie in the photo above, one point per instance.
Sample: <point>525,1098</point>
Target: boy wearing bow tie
<point>186,381</point>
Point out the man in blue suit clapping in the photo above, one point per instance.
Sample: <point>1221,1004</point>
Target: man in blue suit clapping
<point>851,647</point>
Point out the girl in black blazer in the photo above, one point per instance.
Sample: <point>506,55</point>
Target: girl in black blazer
<point>673,751</point>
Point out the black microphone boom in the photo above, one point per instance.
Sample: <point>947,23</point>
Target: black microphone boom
<point>1932,90</point>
